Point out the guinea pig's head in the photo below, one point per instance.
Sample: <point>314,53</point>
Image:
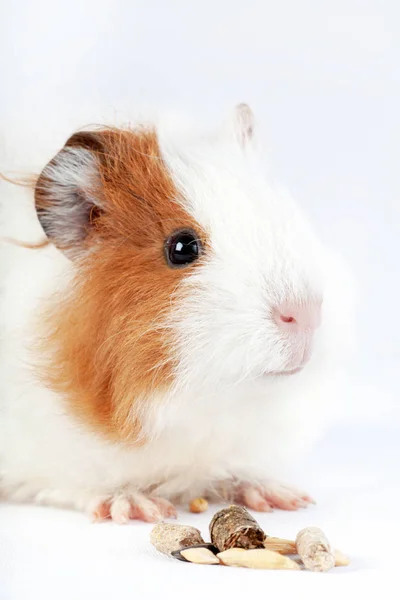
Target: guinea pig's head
<point>189,270</point>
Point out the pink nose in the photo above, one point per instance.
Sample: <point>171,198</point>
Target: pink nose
<point>298,317</point>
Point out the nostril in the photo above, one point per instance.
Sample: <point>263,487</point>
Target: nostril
<point>296,317</point>
<point>285,319</point>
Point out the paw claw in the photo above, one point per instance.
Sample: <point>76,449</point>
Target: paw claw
<point>124,507</point>
<point>272,495</point>
<point>252,498</point>
<point>99,510</point>
<point>147,514</point>
<point>166,508</point>
<point>308,500</point>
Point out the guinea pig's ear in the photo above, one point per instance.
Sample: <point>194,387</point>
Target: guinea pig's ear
<point>68,193</point>
<point>244,123</point>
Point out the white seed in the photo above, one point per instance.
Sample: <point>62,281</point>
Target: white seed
<point>200,556</point>
<point>231,556</point>
<point>259,558</point>
<point>341,560</point>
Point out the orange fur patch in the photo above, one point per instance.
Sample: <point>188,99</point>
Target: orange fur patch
<point>109,352</point>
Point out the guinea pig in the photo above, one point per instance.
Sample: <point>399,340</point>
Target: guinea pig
<point>180,333</point>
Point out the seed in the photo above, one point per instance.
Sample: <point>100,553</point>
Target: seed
<point>200,556</point>
<point>256,559</point>
<point>198,505</point>
<point>341,560</point>
<point>178,553</point>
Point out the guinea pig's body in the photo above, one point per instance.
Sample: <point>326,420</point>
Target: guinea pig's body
<point>181,334</point>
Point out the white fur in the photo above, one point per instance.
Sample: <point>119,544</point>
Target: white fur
<point>225,416</point>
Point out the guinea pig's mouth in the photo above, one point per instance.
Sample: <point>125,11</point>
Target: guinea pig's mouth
<point>299,359</point>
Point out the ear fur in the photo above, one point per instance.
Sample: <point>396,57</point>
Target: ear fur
<point>68,194</point>
<point>244,123</point>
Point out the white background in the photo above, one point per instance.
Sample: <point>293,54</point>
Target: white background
<point>323,78</point>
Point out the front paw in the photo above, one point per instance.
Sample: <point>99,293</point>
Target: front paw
<point>125,506</point>
<point>264,497</point>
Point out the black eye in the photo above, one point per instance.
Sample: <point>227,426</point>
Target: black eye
<point>182,248</point>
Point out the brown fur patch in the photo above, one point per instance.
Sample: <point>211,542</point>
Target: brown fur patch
<point>108,354</point>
